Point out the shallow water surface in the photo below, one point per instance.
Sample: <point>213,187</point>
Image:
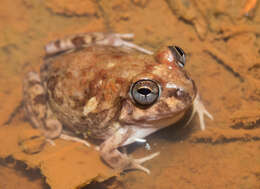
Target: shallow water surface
<point>223,57</point>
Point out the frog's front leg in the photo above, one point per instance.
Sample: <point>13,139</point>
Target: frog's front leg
<point>95,38</point>
<point>113,157</point>
<point>37,108</point>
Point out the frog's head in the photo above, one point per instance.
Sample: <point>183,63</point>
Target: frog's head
<point>162,95</point>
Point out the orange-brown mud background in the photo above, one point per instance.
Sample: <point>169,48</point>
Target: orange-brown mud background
<point>221,39</point>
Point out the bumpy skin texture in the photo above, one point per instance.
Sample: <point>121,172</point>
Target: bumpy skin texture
<point>104,75</point>
<point>87,92</point>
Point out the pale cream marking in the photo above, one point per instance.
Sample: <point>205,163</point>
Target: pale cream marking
<point>110,65</point>
<point>90,106</point>
<point>171,86</point>
<point>138,134</point>
<point>158,70</point>
<point>87,39</point>
<point>170,57</point>
<point>36,90</point>
<point>32,76</point>
<point>100,82</point>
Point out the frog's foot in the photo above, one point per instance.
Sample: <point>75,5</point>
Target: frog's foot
<point>120,161</point>
<point>86,39</point>
<point>37,109</point>
<point>116,40</point>
<point>75,139</point>
<point>199,108</point>
<point>117,160</point>
<point>136,163</point>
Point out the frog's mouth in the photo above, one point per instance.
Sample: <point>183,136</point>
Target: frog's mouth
<point>147,118</point>
<point>159,121</point>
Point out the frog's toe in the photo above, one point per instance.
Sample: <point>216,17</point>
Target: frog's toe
<point>116,39</point>
<point>146,158</point>
<point>125,35</point>
<point>137,162</point>
<point>122,162</point>
<point>140,167</point>
<point>202,111</point>
<point>75,139</point>
<point>50,141</point>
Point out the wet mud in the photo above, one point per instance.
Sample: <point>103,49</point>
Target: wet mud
<point>222,44</point>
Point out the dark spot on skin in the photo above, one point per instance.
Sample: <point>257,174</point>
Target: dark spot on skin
<point>114,160</point>
<point>35,112</point>
<point>94,38</point>
<point>124,18</point>
<point>52,82</point>
<point>78,103</point>
<point>162,107</point>
<point>97,118</point>
<point>180,95</point>
<point>33,82</point>
<point>44,67</point>
<point>57,44</point>
<point>51,85</point>
<point>68,75</point>
<point>83,117</point>
<point>58,100</point>
<point>149,67</point>
<point>85,72</point>
<point>40,99</point>
<point>92,91</point>
<point>102,74</point>
<point>120,80</point>
<point>78,41</point>
<point>86,94</point>
<point>128,107</point>
<point>55,69</point>
<point>172,93</point>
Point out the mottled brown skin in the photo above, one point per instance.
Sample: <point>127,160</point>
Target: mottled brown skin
<point>87,91</point>
<point>107,73</point>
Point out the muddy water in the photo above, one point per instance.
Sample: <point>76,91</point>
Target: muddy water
<point>223,56</point>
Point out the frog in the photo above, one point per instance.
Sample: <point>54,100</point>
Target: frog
<point>101,86</point>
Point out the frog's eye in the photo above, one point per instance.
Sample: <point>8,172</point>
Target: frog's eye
<point>179,54</point>
<point>145,92</point>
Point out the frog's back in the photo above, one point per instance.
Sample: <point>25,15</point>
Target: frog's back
<point>86,87</point>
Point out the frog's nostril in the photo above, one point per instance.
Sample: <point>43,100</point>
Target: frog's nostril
<point>144,91</point>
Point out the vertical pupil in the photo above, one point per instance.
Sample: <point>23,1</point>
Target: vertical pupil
<point>144,91</point>
<point>179,50</point>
